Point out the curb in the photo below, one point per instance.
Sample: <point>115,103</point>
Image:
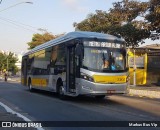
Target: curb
<point>13,79</point>
<point>144,93</point>
<point>10,79</point>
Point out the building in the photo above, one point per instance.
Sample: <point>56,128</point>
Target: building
<point>147,65</point>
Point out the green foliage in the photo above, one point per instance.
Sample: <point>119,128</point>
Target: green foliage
<point>133,35</point>
<point>95,22</point>
<point>153,18</point>
<point>122,20</point>
<point>8,59</point>
<point>39,39</point>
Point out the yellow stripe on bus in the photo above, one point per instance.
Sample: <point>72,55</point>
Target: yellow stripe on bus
<point>109,79</point>
<point>39,82</point>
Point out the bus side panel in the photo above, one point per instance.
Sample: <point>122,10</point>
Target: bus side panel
<point>24,71</point>
<point>40,81</point>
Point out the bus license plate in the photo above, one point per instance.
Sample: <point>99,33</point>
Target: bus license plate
<point>111,91</point>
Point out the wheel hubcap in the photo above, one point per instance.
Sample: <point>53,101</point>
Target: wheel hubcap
<point>61,90</point>
<point>30,86</point>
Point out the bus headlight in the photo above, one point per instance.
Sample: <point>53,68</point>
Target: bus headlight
<point>87,77</point>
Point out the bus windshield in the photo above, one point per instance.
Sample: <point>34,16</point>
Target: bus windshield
<point>104,58</point>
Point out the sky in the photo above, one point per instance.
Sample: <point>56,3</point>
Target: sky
<point>20,20</point>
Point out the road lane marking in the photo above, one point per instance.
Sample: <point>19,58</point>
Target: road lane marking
<point>9,110</point>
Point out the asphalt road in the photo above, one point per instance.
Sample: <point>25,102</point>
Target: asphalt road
<point>46,106</point>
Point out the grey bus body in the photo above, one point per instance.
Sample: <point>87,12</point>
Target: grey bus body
<point>74,65</point>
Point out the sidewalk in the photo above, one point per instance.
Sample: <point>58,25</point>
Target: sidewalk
<point>151,91</point>
<point>12,78</point>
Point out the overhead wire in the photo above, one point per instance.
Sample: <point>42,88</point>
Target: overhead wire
<point>17,25</point>
<point>22,25</point>
<point>18,22</point>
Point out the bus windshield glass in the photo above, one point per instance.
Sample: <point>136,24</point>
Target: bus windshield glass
<point>104,56</point>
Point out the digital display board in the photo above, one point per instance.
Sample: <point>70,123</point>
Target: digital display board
<point>102,44</point>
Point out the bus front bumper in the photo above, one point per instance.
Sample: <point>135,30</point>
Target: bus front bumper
<point>90,88</point>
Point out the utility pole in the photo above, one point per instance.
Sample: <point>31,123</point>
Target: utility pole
<point>7,64</point>
<point>134,70</point>
<point>0,1</point>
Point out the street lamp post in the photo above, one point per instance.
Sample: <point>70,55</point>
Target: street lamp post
<point>15,5</point>
<point>134,70</point>
<point>7,64</point>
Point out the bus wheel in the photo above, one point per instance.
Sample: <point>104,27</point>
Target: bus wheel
<point>100,96</point>
<point>61,93</point>
<point>30,86</point>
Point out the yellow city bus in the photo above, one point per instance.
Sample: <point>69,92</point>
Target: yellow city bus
<point>78,63</point>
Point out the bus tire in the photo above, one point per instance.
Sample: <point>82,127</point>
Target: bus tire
<point>30,85</point>
<point>100,96</point>
<point>60,89</point>
<point>61,93</point>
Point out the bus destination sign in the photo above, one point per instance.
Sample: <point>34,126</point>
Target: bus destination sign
<point>102,44</point>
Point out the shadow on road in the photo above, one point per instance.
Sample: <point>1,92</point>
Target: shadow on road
<point>111,103</point>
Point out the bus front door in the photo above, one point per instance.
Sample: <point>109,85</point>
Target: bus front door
<point>24,72</point>
<point>71,69</point>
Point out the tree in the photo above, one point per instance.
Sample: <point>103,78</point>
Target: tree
<point>134,31</point>
<point>94,22</point>
<point>120,20</point>
<point>7,61</point>
<point>39,39</point>
<point>153,18</point>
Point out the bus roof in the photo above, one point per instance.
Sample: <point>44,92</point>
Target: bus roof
<point>74,35</point>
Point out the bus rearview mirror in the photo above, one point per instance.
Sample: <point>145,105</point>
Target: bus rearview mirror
<point>79,50</point>
<point>123,51</point>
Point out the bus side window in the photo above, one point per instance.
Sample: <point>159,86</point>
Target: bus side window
<point>58,60</point>
<point>54,56</point>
